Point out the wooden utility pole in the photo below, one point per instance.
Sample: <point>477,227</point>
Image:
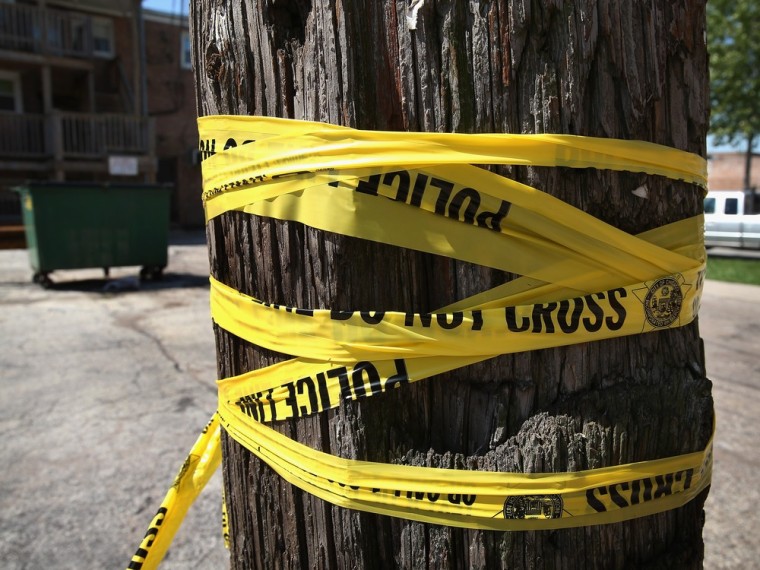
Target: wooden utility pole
<point>616,68</point>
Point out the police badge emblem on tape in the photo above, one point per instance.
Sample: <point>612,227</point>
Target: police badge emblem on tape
<point>663,299</point>
<point>533,506</point>
<point>663,302</point>
<point>582,280</point>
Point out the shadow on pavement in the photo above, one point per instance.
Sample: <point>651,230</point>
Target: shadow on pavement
<point>130,284</point>
<point>187,237</point>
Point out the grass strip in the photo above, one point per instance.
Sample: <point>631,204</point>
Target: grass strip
<point>734,270</point>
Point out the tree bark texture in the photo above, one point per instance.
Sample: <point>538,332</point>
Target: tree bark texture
<point>625,69</point>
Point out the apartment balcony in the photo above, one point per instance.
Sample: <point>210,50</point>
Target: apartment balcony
<point>46,31</point>
<point>64,141</point>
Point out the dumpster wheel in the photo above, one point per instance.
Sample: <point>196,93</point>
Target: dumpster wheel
<point>152,273</point>
<point>42,278</point>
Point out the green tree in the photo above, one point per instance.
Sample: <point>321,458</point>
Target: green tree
<point>734,46</point>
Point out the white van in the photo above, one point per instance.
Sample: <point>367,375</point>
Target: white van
<point>726,224</point>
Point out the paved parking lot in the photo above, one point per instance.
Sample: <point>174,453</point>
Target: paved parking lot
<point>102,395</point>
<point>104,389</point>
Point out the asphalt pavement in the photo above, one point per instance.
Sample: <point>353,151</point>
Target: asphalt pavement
<point>105,385</point>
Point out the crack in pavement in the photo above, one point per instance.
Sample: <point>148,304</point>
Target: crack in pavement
<point>132,323</point>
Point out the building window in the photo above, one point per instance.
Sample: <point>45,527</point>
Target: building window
<point>185,55</point>
<point>102,37</point>
<point>10,92</point>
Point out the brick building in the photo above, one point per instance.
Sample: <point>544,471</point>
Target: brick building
<point>725,170</point>
<point>97,91</point>
<point>171,105</point>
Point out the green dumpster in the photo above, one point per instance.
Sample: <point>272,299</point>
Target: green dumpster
<point>80,225</point>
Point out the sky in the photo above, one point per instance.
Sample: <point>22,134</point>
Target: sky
<point>169,6</point>
<point>740,147</point>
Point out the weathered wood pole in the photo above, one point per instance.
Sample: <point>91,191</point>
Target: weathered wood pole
<point>608,68</point>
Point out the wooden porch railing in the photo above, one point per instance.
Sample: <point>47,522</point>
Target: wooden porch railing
<point>49,31</point>
<point>23,136</point>
<point>73,135</point>
<point>86,135</point>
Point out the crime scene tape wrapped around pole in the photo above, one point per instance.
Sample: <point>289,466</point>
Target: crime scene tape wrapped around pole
<point>582,280</point>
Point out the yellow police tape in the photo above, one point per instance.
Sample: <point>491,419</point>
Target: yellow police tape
<point>201,463</point>
<point>583,280</point>
<point>347,356</point>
